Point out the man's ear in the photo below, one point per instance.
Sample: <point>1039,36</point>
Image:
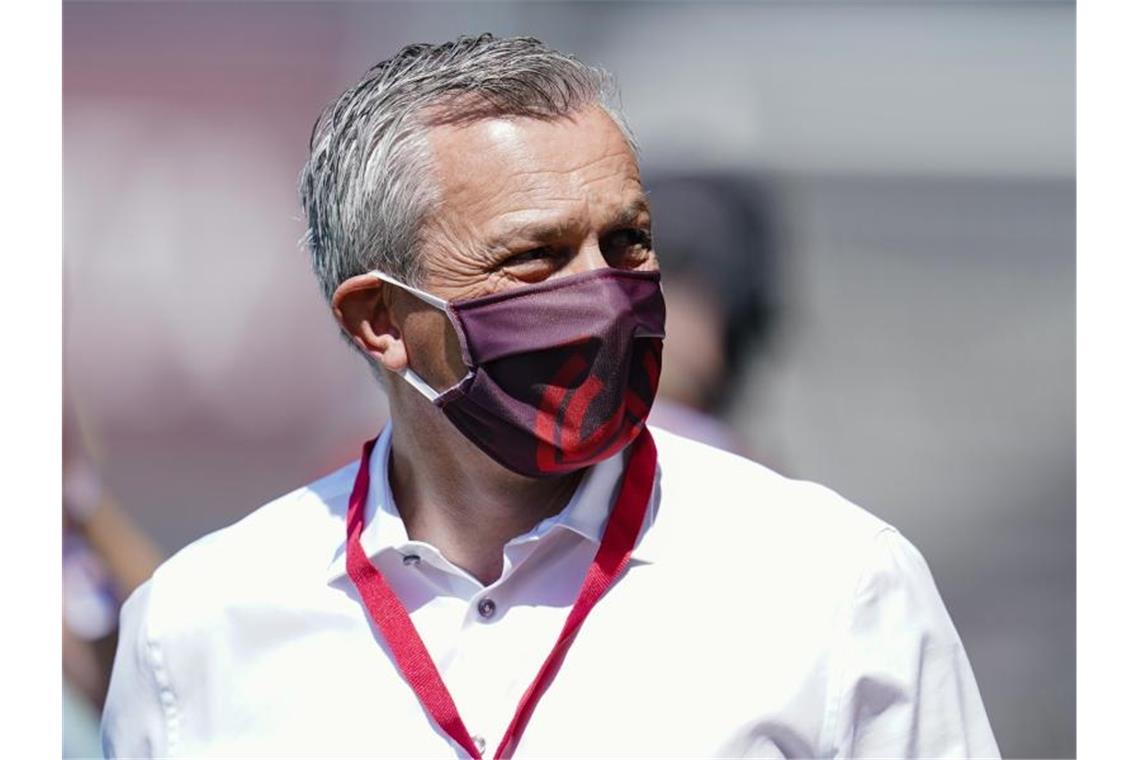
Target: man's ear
<point>361,305</point>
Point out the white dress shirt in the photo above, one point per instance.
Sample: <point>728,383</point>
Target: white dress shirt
<point>759,616</point>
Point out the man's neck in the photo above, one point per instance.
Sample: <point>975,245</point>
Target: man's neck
<point>453,496</point>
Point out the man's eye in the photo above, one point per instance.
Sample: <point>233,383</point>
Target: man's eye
<point>628,243</point>
<point>534,254</point>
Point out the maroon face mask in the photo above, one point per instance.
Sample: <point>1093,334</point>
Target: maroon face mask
<point>561,374</point>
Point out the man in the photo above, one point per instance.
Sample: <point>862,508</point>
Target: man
<point>517,565</point>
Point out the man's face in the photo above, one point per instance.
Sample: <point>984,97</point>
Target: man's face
<point>522,201</point>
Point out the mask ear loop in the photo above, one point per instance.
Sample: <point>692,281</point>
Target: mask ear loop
<point>417,382</point>
<point>426,297</point>
<point>409,375</point>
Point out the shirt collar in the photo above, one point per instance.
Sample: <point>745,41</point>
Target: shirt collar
<point>585,514</point>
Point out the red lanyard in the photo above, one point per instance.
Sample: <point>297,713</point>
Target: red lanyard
<point>408,649</point>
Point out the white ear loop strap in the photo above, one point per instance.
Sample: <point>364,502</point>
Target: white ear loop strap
<point>435,301</point>
<point>417,382</point>
<point>409,375</point>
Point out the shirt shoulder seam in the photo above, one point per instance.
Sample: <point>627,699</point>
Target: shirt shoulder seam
<point>167,697</point>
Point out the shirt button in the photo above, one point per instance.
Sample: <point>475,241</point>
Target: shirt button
<point>480,743</point>
<point>411,559</point>
<point>486,608</point>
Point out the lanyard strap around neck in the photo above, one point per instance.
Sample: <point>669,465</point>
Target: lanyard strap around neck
<point>408,650</point>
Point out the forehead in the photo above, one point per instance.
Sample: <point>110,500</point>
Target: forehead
<point>493,170</point>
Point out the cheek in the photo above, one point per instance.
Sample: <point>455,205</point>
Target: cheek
<point>433,348</point>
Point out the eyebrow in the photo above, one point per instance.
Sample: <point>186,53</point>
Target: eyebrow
<point>631,212</point>
<point>545,231</point>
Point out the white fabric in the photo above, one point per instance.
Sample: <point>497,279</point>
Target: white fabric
<point>760,617</point>
<point>417,382</point>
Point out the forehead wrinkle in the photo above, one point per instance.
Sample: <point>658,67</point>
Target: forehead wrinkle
<point>587,167</point>
<point>471,202</point>
<point>552,200</point>
<point>559,227</point>
<point>526,161</point>
<point>539,230</point>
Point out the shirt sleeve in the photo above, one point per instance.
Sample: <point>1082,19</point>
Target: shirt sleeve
<point>905,688</point>
<point>139,704</point>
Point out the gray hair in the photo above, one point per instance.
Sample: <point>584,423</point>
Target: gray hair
<point>366,188</point>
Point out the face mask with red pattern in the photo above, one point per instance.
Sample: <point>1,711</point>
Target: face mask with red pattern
<point>560,375</point>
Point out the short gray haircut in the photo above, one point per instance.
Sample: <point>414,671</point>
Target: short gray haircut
<point>367,187</point>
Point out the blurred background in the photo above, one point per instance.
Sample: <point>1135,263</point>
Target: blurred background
<point>866,216</point>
